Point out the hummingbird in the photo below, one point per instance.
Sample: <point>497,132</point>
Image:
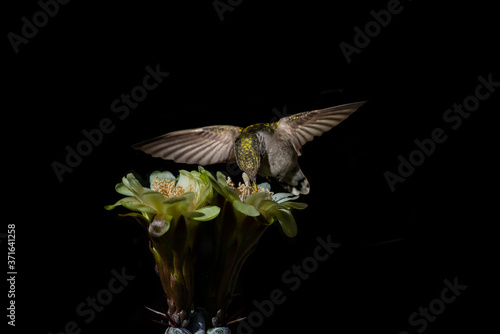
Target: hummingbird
<point>268,149</point>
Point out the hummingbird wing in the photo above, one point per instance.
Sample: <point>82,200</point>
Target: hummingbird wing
<point>203,146</point>
<point>303,127</point>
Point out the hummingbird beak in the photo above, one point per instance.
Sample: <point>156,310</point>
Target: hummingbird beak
<point>247,180</point>
<point>254,186</point>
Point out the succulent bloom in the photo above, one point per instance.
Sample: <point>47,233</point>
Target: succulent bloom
<point>187,195</point>
<point>171,211</point>
<point>245,215</point>
<point>264,205</point>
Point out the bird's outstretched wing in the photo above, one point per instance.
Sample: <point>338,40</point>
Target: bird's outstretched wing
<point>303,127</point>
<point>203,146</point>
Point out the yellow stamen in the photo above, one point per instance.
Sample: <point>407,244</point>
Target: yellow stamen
<point>168,188</point>
<point>243,190</point>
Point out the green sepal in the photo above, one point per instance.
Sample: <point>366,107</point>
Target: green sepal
<point>204,214</point>
<point>287,222</point>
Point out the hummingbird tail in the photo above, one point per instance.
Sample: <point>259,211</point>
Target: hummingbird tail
<point>296,183</point>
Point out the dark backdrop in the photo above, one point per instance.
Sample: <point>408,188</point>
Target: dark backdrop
<point>262,61</point>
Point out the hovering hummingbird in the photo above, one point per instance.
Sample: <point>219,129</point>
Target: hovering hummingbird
<point>267,149</point>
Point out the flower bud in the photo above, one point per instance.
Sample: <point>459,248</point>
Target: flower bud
<point>159,226</point>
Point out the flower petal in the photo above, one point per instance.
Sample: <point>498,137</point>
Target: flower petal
<point>153,199</point>
<point>204,214</point>
<point>161,176</point>
<point>120,202</point>
<point>112,206</point>
<point>133,185</point>
<point>245,209</point>
<point>185,179</point>
<point>122,189</point>
<point>287,222</point>
<point>264,185</point>
<point>294,205</point>
<point>223,189</point>
<point>134,204</point>
<point>284,197</point>
<point>266,207</point>
<point>176,206</point>
<point>256,199</point>
<point>139,207</point>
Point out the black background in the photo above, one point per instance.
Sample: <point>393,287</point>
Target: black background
<point>397,247</point>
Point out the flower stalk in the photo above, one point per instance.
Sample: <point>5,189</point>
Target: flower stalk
<point>235,238</point>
